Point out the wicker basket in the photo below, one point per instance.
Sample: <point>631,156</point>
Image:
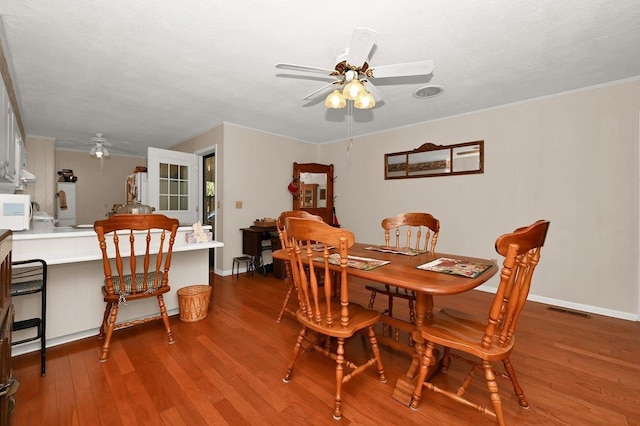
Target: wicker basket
<point>194,302</point>
<point>263,224</point>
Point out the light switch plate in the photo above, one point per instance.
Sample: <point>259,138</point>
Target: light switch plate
<point>238,204</point>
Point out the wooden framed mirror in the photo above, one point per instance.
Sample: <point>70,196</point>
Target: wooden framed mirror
<point>432,160</point>
<point>315,193</point>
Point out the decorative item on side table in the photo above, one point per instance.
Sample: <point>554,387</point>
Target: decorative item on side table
<point>266,222</point>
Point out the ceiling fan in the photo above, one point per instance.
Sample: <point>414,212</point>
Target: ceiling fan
<point>101,146</point>
<point>354,74</point>
<point>99,150</point>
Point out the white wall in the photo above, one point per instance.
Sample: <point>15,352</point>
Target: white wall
<point>571,159</point>
<point>41,156</point>
<point>257,169</point>
<point>101,182</point>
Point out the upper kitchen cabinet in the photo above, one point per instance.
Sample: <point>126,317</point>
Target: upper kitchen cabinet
<point>13,175</point>
<point>12,152</point>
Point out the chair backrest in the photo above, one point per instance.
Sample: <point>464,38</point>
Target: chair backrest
<point>314,239</point>
<point>521,251</point>
<point>414,226</point>
<point>143,277</point>
<point>281,222</point>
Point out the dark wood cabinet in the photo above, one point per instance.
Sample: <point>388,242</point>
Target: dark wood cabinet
<point>8,385</point>
<point>252,244</point>
<point>309,195</point>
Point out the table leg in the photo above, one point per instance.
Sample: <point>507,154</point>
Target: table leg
<point>406,384</point>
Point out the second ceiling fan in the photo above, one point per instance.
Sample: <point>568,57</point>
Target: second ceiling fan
<point>354,74</point>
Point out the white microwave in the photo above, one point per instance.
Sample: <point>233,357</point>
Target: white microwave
<point>15,211</point>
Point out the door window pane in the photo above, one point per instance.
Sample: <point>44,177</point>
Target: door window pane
<point>174,187</point>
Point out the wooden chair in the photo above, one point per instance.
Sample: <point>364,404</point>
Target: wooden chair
<point>140,276</point>
<point>321,314</point>
<point>492,339</point>
<point>417,231</point>
<point>280,224</point>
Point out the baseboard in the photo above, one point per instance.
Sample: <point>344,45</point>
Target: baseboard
<point>574,306</point>
<point>26,348</point>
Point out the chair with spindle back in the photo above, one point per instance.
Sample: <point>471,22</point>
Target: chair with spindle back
<point>415,231</point>
<point>280,224</point>
<point>324,316</point>
<point>149,237</point>
<point>491,339</point>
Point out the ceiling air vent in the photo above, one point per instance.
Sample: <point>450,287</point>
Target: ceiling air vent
<point>428,92</point>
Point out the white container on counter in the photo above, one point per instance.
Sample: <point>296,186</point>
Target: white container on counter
<point>42,221</point>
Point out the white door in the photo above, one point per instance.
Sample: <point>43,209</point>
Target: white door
<point>173,184</point>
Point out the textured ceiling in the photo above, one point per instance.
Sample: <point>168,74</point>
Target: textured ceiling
<point>154,73</point>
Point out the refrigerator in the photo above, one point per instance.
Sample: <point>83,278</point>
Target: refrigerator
<point>66,204</point>
<point>136,188</point>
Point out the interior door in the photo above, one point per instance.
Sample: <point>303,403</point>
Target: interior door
<point>173,184</point>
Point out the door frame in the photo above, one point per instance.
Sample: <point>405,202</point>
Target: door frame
<point>201,153</point>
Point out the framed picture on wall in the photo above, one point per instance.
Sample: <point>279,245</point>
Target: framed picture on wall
<point>430,160</point>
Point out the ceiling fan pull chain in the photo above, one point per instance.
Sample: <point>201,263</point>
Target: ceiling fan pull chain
<point>349,127</point>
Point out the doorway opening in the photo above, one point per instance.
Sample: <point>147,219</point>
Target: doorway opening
<point>209,197</point>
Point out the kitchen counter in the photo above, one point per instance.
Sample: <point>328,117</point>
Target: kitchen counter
<point>75,275</point>
<point>69,244</point>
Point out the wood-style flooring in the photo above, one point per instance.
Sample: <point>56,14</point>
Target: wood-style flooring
<point>228,369</point>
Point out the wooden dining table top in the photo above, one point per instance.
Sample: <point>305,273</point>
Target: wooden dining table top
<point>402,271</point>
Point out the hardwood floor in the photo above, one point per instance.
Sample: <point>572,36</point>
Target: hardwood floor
<point>228,369</point>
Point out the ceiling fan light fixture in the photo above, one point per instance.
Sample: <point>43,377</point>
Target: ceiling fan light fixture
<point>353,89</point>
<point>365,101</point>
<point>335,100</point>
<point>99,151</point>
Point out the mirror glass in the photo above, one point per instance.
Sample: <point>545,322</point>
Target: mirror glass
<point>315,194</point>
<point>466,158</point>
<point>429,162</point>
<point>313,190</point>
<point>436,160</point>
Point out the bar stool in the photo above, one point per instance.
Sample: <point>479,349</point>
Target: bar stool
<point>248,261</point>
<point>30,277</point>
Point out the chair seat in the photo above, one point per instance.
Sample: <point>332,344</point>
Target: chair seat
<point>359,318</point>
<point>27,287</point>
<point>128,283</point>
<point>458,330</point>
<point>391,290</point>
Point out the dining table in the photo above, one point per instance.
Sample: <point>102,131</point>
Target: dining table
<point>402,271</point>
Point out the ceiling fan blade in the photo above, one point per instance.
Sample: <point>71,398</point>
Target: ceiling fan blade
<point>360,47</point>
<point>371,88</point>
<point>401,70</point>
<point>323,89</point>
<point>305,68</point>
